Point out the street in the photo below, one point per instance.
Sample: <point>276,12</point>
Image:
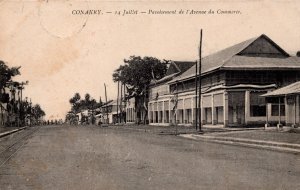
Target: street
<point>93,157</point>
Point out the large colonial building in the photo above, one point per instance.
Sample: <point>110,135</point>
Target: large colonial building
<point>232,81</point>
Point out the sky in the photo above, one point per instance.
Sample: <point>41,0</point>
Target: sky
<point>61,53</point>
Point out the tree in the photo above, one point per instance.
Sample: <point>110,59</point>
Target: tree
<point>78,105</point>
<point>38,113</point>
<point>7,73</point>
<point>75,102</point>
<point>138,72</point>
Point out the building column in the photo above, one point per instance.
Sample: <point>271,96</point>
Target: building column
<point>213,111</point>
<point>149,116</point>
<point>267,116</point>
<point>160,117</point>
<point>158,114</point>
<point>225,108</point>
<point>126,115</point>
<point>247,106</point>
<point>192,107</point>
<point>201,111</point>
<point>183,111</point>
<point>295,105</point>
<point>134,114</point>
<point>163,112</point>
<point>170,114</point>
<point>287,112</point>
<point>153,115</point>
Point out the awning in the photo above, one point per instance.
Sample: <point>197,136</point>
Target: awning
<point>293,88</point>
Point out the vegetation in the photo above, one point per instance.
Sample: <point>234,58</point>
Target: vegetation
<point>138,72</point>
<point>15,110</point>
<point>78,105</point>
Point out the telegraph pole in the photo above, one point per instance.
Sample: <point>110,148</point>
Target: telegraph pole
<point>121,104</point>
<point>118,118</point>
<point>196,92</point>
<point>106,103</point>
<point>124,89</point>
<point>200,57</point>
<point>30,113</point>
<point>176,103</point>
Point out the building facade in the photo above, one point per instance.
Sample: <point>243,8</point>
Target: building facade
<point>233,81</point>
<point>161,98</point>
<point>137,109</point>
<point>289,98</point>
<point>111,111</point>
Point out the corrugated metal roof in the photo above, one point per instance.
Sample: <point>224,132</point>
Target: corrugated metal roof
<point>181,67</point>
<point>230,58</point>
<point>215,60</point>
<point>293,88</point>
<point>262,62</point>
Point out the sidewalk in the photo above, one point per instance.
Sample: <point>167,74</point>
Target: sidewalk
<point>285,139</point>
<point>182,129</point>
<point>4,131</point>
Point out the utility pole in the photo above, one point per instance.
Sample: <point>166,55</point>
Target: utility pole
<point>200,57</point>
<point>124,103</point>
<point>21,87</point>
<point>106,104</point>
<point>121,109</point>
<point>30,112</point>
<point>196,97</point>
<point>176,103</point>
<point>118,118</point>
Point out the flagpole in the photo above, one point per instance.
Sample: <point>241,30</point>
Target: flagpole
<point>200,57</point>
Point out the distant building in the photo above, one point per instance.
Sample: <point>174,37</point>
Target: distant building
<point>233,81</point>
<point>110,112</point>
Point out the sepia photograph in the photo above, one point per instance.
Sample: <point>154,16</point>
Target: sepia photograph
<point>162,94</point>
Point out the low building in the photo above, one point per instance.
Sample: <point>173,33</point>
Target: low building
<point>288,109</point>
<point>110,112</point>
<point>232,82</point>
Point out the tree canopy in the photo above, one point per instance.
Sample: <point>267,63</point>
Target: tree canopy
<point>78,104</point>
<point>37,111</point>
<point>138,72</point>
<point>6,73</point>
